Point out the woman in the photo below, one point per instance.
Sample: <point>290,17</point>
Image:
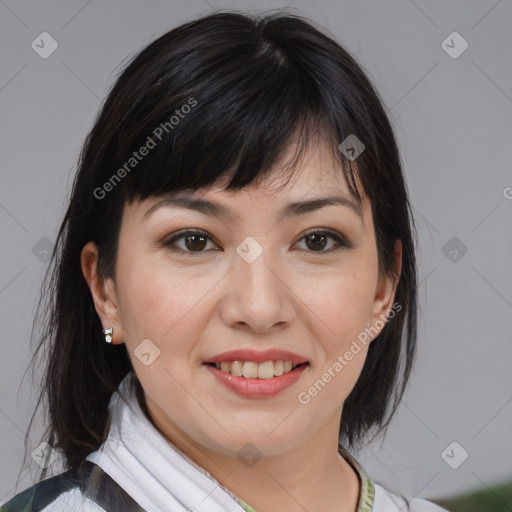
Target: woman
<point>233,296</point>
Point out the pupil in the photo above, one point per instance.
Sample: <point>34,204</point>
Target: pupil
<point>197,246</point>
<point>318,238</point>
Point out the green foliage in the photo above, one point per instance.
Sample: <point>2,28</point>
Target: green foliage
<point>495,499</point>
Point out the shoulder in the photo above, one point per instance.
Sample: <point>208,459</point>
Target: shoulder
<point>59,493</point>
<point>387,501</point>
<point>88,489</point>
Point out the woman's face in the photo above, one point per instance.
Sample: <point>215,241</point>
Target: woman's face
<point>262,281</point>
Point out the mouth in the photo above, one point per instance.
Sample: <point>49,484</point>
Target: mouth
<point>257,374</point>
<point>254,370</point>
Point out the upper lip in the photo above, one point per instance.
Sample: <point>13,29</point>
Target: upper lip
<point>257,356</point>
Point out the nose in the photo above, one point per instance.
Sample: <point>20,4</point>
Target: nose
<point>257,296</point>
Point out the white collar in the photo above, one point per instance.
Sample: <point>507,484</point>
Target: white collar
<point>151,469</point>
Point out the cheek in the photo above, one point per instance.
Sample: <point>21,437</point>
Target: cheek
<point>352,304</point>
<point>350,312</point>
<point>345,307</point>
<point>343,301</point>
<point>163,304</point>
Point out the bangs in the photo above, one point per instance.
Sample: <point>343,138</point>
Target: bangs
<point>232,110</point>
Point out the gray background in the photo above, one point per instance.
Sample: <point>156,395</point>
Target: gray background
<point>453,119</point>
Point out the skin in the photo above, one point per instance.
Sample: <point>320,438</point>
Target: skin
<point>307,298</point>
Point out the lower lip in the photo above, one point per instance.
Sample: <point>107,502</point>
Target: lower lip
<point>258,388</point>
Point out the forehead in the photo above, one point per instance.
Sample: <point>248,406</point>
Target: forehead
<point>318,164</point>
<point>315,175</point>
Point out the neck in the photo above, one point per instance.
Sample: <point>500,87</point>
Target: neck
<point>312,476</point>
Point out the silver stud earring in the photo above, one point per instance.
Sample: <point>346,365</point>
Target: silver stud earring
<point>108,334</point>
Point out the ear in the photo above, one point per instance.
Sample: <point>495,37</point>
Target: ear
<point>103,292</point>
<point>385,293</point>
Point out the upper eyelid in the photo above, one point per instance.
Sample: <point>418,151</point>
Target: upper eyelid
<point>191,231</point>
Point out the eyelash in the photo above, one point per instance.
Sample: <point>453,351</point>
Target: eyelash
<point>342,242</point>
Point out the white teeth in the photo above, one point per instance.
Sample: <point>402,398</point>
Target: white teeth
<point>252,370</point>
<point>265,370</point>
<point>237,368</point>
<point>278,368</point>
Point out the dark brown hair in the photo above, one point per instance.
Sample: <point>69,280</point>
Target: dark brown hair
<point>255,81</point>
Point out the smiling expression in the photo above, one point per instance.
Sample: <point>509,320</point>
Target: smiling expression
<point>249,296</point>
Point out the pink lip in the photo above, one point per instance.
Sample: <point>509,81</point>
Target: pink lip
<point>257,388</point>
<point>257,356</point>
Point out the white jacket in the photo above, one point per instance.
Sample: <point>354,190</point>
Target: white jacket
<point>139,470</point>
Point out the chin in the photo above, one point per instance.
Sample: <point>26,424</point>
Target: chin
<point>255,441</point>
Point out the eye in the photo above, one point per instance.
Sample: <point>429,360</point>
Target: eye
<point>316,241</point>
<point>193,241</point>
<point>196,241</point>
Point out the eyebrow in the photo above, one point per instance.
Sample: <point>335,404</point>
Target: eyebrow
<point>292,209</point>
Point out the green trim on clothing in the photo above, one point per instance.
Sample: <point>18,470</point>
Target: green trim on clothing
<point>367,494</point>
<point>367,489</point>
<point>246,507</point>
